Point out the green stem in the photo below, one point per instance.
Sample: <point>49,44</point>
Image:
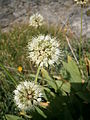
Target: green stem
<point>80,47</point>
<point>38,70</point>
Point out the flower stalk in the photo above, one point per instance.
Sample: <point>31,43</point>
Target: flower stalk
<point>38,70</point>
<point>80,47</point>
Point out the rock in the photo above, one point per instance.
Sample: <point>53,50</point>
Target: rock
<point>19,13</point>
<point>88,28</point>
<point>75,22</point>
<point>5,2</point>
<point>4,22</point>
<point>57,12</point>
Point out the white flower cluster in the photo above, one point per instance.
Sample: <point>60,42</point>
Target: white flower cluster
<point>36,20</point>
<point>27,95</point>
<point>81,2</point>
<point>44,50</point>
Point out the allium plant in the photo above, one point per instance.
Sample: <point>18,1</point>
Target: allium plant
<point>27,95</point>
<point>81,2</point>
<point>36,20</point>
<point>44,50</point>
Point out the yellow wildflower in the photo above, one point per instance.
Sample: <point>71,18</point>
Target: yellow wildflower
<point>20,69</point>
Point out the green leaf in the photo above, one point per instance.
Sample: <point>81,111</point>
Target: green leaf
<point>75,76</point>
<point>45,74</point>
<point>40,112</point>
<point>49,91</point>
<point>49,80</point>
<point>72,68</point>
<point>64,86</point>
<point>59,83</point>
<point>12,117</point>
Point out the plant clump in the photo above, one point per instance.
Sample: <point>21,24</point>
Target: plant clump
<point>27,95</point>
<point>36,20</point>
<point>44,50</point>
<point>81,2</point>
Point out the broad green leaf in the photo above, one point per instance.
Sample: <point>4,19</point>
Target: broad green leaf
<point>12,117</point>
<point>59,83</point>
<point>74,72</point>
<point>52,84</point>
<point>72,68</point>
<point>49,80</point>
<point>40,112</point>
<point>65,86</point>
<point>49,91</point>
<point>45,74</point>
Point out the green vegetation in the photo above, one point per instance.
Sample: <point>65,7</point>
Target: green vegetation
<point>66,85</point>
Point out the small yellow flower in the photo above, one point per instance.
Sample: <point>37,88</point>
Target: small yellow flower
<point>20,69</point>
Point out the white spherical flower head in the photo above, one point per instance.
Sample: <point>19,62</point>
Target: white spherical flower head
<point>27,95</point>
<point>36,20</point>
<point>81,2</point>
<point>44,50</point>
